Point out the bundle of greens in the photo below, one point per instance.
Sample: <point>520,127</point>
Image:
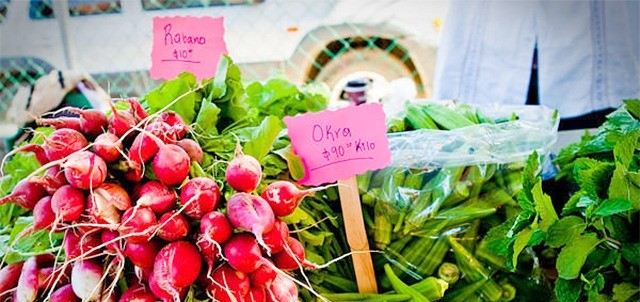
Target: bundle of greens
<point>590,248</point>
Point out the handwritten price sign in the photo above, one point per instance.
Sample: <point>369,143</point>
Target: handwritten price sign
<point>339,144</point>
<point>186,44</point>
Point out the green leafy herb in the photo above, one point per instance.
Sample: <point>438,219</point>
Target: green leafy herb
<point>625,291</point>
<point>564,230</point>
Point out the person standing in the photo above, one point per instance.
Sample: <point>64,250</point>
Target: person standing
<point>580,57</point>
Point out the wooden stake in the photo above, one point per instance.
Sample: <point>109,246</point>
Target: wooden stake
<point>357,235</point>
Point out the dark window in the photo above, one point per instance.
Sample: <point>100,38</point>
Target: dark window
<point>94,7</point>
<point>167,4</point>
<point>3,9</point>
<point>41,9</point>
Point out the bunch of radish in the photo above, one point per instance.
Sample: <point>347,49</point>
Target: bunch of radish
<point>138,227</point>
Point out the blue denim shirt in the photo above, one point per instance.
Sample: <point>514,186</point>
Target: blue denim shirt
<point>588,53</point>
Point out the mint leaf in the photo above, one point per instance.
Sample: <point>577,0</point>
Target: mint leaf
<point>618,228</point>
<point>530,175</point>
<point>625,291</point>
<point>568,290</point>
<point>599,259</point>
<point>571,206</point>
<point>593,286</point>
<point>634,178</point>
<point>573,255</point>
<point>499,238</point>
<point>612,206</point>
<point>520,242</point>
<point>633,107</point>
<point>593,176</point>
<point>625,148</point>
<point>621,186</point>
<point>564,230</point>
<point>544,207</point>
<point>631,252</point>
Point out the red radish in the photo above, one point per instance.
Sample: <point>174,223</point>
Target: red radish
<point>169,294</point>
<point>9,276</point>
<point>60,144</point>
<point>284,196</point>
<point>243,172</point>
<point>243,253</point>
<point>25,194</point>
<point>216,226</point>
<point>171,165</point>
<point>114,194</point>
<point>263,276</point>
<point>226,282</point>
<point>43,215</point>
<point>178,126</point>
<point>193,149</point>
<point>143,148</point>
<point>52,277</point>
<point>142,274</point>
<point>120,122</point>
<point>256,294</point>
<point>85,224</point>
<point>27,289</point>
<point>177,265</point>
<point>209,251</point>
<point>282,289</point>
<point>91,122</point>
<point>46,259</point>
<point>134,175</point>
<point>101,211</point>
<point>52,179</point>
<point>68,203</point>
<point>86,279</point>
<point>108,146</point>
<point>142,254</point>
<point>157,196</point>
<point>60,122</point>
<point>63,142</point>
<point>110,238</point>
<point>251,213</point>
<point>162,131</point>
<point>199,196</point>
<point>137,224</point>
<point>137,293</point>
<point>79,245</point>
<point>173,226</point>
<point>136,109</point>
<point>85,170</point>
<point>276,238</point>
<point>64,294</point>
<point>37,150</point>
<point>285,260</point>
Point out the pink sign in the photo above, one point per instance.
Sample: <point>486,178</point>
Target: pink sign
<point>339,144</point>
<point>186,43</point>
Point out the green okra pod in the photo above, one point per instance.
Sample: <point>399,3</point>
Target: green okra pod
<point>432,260</point>
<point>382,227</point>
<point>401,287</point>
<point>366,297</point>
<point>431,287</point>
<point>475,271</point>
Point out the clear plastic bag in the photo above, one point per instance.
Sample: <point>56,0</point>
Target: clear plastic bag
<point>445,185</point>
